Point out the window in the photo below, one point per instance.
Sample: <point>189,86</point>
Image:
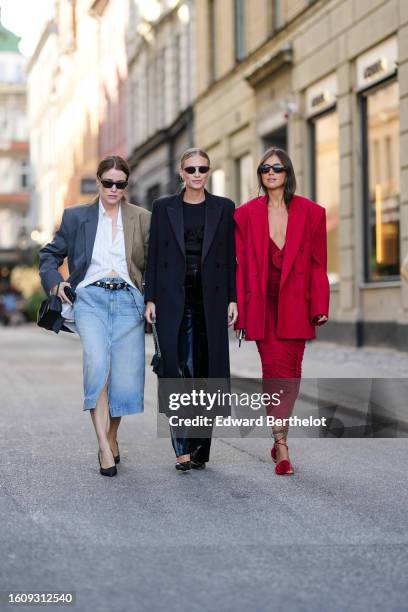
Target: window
<point>284,11</point>
<point>217,182</point>
<point>245,178</point>
<point>277,15</point>
<point>24,175</point>
<point>177,72</point>
<point>212,39</point>
<point>240,46</point>
<point>152,194</point>
<point>380,113</point>
<point>326,185</point>
<point>161,87</point>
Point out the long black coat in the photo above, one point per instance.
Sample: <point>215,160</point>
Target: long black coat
<point>165,275</point>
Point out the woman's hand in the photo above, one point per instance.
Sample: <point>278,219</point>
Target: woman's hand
<point>320,320</point>
<point>150,312</point>
<point>232,313</point>
<point>61,293</point>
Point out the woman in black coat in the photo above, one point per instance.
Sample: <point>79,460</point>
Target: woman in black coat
<point>190,287</point>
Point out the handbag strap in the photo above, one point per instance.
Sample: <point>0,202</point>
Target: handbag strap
<point>156,341</point>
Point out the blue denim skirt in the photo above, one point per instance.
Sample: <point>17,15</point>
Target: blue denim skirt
<point>111,327</point>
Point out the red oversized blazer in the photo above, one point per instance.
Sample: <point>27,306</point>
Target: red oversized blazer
<point>304,287</point>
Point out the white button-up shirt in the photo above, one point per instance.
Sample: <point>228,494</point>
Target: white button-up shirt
<point>107,256</point>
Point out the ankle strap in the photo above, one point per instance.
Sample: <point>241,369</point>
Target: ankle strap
<point>281,442</point>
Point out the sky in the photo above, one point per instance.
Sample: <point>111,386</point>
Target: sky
<point>26,18</point>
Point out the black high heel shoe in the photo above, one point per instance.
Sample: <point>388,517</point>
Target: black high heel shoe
<point>183,466</point>
<point>110,471</point>
<point>117,457</point>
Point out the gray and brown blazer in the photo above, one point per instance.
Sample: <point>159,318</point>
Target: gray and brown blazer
<point>75,240</point>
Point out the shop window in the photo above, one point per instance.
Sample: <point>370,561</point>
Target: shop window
<point>326,185</point>
<point>380,113</point>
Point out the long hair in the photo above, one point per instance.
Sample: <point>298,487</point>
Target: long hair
<point>289,187</point>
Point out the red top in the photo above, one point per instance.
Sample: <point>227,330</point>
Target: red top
<point>274,269</point>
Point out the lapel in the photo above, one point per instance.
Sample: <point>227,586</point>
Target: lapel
<point>260,235</point>
<point>128,221</point>
<point>175,213</point>
<point>90,227</point>
<point>212,217</point>
<point>294,233</point>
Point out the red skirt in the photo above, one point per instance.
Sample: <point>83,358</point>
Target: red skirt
<point>281,364</point>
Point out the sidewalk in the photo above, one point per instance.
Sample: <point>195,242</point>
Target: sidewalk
<point>327,360</point>
<point>369,383</point>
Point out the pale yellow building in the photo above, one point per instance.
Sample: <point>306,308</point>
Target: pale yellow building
<point>14,166</point>
<point>328,81</point>
<point>77,82</point>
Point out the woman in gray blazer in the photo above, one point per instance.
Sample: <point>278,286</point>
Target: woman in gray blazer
<point>105,243</point>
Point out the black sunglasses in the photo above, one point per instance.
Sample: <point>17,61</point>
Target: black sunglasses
<point>201,169</point>
<point>277,168</point>
<point>108,183</point>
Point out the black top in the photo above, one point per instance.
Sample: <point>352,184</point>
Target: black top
<point>194,221</point>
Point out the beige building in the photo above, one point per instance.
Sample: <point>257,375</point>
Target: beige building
<point>328,81</point>
<point>42,70</point>
<point>14,167</point>
<point>77,80</point>
<point>162,87</point>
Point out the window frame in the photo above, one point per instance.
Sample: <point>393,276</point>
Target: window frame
<point>365,190</point>
<point>313,166</point>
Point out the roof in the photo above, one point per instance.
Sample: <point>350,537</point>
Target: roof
<point>8,40</point>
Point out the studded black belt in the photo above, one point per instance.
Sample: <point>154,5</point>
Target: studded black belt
<point>111,286</point>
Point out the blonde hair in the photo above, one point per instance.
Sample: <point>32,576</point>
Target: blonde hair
<point>190,153</point>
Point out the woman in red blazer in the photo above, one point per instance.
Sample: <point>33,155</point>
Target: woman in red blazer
<point>282,284</point>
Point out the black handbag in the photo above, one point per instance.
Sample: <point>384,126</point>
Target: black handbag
<point>49,314</point>
<point>157,362</point>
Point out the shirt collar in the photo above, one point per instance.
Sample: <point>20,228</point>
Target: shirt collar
<point>103,213</point>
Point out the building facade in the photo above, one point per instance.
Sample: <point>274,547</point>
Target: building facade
<point>77,81</point>
<point>14,155</point>
<point>162,87</point>
<point>328,81</point>
<point>42,71</point>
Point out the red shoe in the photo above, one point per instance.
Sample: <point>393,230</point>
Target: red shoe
<point>284,467</point>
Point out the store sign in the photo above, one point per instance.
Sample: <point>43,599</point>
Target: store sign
<point>321,96</point>
<point>377,64</point>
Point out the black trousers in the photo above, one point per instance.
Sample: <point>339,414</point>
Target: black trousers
<point>193,364</point>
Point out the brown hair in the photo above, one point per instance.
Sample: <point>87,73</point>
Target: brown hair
<point>289,187</point>
<point>189,153</point>
<point>112,161</point>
